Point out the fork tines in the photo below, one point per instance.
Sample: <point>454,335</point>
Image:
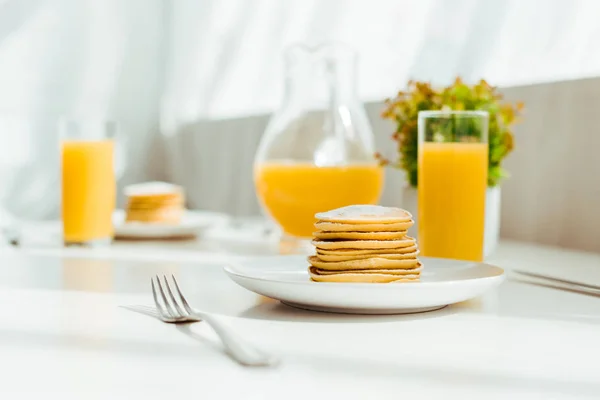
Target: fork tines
<point>173,307</point>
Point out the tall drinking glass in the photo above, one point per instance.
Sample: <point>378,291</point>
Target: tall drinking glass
<point>88,181</point>
<point>452,182</point>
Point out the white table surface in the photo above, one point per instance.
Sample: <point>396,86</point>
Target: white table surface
<point>62,332</point>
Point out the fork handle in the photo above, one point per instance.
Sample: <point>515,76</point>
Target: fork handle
<point>240,350</point>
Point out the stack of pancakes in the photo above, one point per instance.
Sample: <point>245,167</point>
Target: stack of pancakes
<point>155,202</point>
<point>364,244</point>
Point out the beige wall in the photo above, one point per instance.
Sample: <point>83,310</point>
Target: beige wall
<point>553,196</point>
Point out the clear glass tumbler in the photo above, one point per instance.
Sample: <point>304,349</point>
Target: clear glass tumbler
<point>452,182</point>
<point>88,181</point>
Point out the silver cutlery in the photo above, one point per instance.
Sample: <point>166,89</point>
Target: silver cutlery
<point>175,309</point>
<point>561,284</point>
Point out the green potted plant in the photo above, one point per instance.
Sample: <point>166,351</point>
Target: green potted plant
<point>421,96</point>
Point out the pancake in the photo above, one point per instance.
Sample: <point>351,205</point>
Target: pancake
<point>363,252</point>
<point>152,189</point>
<point>360,235</point>
<point>161,215</point>
<point>413,271</point>
<point>391,256</point>
<point>354,277</point>
<point>363,244</point>
<point>364,264</point>
<point>144,204</point>
<point>365,214</point>
<point>340,227</point>
<point>153,192</point>
<point>154,202</point>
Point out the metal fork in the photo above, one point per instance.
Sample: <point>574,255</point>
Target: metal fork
<point>178,310</point>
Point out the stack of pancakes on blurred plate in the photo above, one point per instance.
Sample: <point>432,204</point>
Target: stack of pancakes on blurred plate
<point>155,202</point>
<point>364,243</point>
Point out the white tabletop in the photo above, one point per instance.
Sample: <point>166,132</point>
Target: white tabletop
<point>62,331</point>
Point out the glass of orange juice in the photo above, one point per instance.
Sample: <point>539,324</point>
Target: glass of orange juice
<point>317,152</point>
<point>452,182</point>
<point>88,181</point>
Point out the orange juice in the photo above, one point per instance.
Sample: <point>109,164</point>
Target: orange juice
<point>294,192</point>
<point>88,190</point>
<point>452,187</point>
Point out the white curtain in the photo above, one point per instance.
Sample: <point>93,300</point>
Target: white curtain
<point>224,56</point>
<point>198,67</point>
<point>73,57</point>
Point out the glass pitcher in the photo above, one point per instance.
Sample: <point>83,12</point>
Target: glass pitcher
<point>317,152</point>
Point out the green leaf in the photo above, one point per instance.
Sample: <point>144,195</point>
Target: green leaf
<point>420,96</point>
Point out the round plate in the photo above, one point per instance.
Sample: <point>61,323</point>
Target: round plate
<point>443,282</point>
<point>192,223</point>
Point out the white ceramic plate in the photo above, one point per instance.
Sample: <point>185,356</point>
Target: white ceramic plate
<point>443,282</point>
<point>192,223</point>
